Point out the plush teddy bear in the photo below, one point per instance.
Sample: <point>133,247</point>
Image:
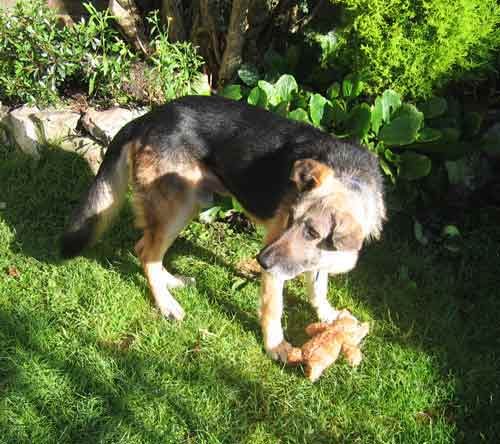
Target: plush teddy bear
<point>327,340</point>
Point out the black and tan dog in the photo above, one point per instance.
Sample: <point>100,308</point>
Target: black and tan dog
<point>318,197</point>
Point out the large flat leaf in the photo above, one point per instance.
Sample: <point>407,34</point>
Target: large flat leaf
<point>232,92</point>
<point>377,115</point>
<point>434,107</point>
<point>414,166</point>
<point>359,121</point>
<point>317,105</point>
<point>271,94</point>
<point>403,128</point>
<point>300,115</point>
<point>249,74</point>
<point>391,102</point>
<point>285,87</point>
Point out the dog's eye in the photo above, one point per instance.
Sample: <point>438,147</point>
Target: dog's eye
<point>311,233</point>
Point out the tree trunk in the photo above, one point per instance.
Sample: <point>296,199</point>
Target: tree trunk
<point>172,16</point>
<point>235,40</point>
<point>130,22</point>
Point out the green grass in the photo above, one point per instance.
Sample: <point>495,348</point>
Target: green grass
<point>85,358</point>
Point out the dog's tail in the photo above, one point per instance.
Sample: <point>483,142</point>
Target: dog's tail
<point>102,201</point>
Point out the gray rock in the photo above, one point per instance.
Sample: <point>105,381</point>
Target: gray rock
<point>22,130</point>
<point>4,112</point>
<point>88,148</point>
<point>54,126</point>
<point>29,127</point>
<point>104,125</point>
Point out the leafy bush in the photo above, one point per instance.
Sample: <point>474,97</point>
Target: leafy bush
<point>40,59</point>
<point>35,56</point>
<point>175,70</point>
<point>407,138</point>
<point>105,59</point>
<point>413,46</point>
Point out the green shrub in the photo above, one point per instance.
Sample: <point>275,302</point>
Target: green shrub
<point>415,46</point>
<point>35,57</point>
<point>175,66</point>
<point>40,59</point>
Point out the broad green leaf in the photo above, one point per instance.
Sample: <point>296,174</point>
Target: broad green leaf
<point>232,92</point>
<point>347,87</point>
<point>413,166</point>
<point>387,169</point>
<point>254,96</point>
<point>317,105</point>
<point>281,109</point>
<point>333,91</point>
<point>272,96</point>
<point>352,86</point>
<point>377,115</point>
<point>285,87</point>
<point>391,101</point>
<point>339,112</point>
<point>403,128</point>
<point>249,74</point>
<point>200,85</point>
<point>300,115</point>
<point>434,107</point>
<point>429,135</point>
<point>450,231</point>
<point>359,120</point>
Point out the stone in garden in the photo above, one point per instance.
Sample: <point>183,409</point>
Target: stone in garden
<point>104,125</point>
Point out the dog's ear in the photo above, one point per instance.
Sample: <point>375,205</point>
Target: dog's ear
<point>309,174</point>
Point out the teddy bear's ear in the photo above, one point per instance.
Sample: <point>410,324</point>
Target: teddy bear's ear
<point>316,328</point>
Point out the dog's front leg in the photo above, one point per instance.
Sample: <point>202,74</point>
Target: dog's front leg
<point>317,288</point>
<point>271,309</point>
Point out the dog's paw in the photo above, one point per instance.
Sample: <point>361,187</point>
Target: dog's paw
<point>178,281</point>
<point>327,313</point>
<point>280,352</point>
<point>172,310</point>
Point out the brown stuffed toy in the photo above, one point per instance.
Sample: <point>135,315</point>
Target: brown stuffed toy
<point>327,340</point>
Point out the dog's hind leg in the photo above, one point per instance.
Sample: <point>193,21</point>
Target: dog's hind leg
<point>163,208</point>
<point>317,288</point>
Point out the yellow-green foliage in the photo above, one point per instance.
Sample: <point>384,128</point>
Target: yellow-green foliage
<point>415,46</point>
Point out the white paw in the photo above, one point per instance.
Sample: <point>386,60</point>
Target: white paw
<point>327,313</point>
<point>172,310</point>
<point>280,352</point>
<point>179,281</point>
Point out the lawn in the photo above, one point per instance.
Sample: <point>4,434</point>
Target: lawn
<point>85,358</point>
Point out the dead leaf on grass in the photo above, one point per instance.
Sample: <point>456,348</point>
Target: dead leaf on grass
<point>14,272</point>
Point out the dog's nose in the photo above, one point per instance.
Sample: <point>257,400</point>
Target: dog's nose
<point>264,260</point>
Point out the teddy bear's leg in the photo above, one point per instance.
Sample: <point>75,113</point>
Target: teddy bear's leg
<point>352,354</point>
<point>317,287</point>
<point>317,365</point>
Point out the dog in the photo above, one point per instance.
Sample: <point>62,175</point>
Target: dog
<point>318,197</point>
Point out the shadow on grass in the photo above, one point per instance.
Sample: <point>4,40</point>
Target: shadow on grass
<point>446,306</point>
<point>171,393</point>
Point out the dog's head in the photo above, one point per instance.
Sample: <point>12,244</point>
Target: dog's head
<point>327,223</point>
